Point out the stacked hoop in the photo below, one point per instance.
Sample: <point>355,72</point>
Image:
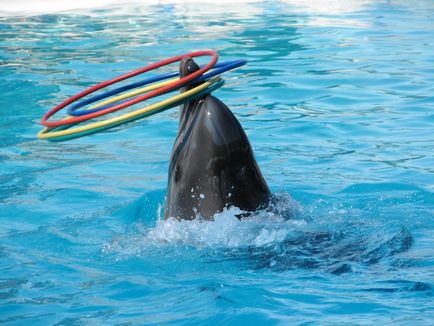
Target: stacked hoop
<point>61,130</point>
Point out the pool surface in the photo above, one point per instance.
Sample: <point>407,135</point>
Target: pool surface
<point>337,101</point>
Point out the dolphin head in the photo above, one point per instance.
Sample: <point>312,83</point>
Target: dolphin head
<point>187,66</point>
<point>212,165</point>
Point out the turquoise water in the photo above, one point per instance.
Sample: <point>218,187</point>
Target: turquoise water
<point>338,105</point>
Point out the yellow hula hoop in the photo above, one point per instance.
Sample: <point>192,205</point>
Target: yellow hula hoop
<point>46,133</point>
<point>133,93</point>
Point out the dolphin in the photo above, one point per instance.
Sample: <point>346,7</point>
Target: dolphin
<point>212,165</point>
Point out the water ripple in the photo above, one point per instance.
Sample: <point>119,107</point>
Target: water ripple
<point>337,102</point>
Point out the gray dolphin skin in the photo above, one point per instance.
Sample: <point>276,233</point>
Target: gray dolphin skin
<point>212,163</point>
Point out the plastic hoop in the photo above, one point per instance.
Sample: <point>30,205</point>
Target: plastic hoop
<point>201,90</point>
<point>179,83</point>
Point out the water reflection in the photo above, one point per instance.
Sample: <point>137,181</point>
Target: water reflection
<point>335,13</point>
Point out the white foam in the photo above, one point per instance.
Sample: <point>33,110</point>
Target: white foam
<point>280,221</point>
<point>226,230</point>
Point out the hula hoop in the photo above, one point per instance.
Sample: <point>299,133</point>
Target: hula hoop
<point>218,69</point>
<point>179,83</point>
<point>203,89</point>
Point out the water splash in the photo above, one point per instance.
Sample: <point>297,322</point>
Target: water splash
<point>324,235</point>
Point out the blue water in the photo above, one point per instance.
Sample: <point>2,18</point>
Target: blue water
<point>338,105</point>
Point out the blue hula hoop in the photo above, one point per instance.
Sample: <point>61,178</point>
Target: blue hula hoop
<point>217,70</point>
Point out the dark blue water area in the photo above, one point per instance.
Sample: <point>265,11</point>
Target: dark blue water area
<point>337,103</point>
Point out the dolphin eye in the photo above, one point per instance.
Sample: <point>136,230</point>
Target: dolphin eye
<point>242,170</point>
<point>178,173</point>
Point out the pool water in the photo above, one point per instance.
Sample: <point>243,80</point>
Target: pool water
<point>337,101</point>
